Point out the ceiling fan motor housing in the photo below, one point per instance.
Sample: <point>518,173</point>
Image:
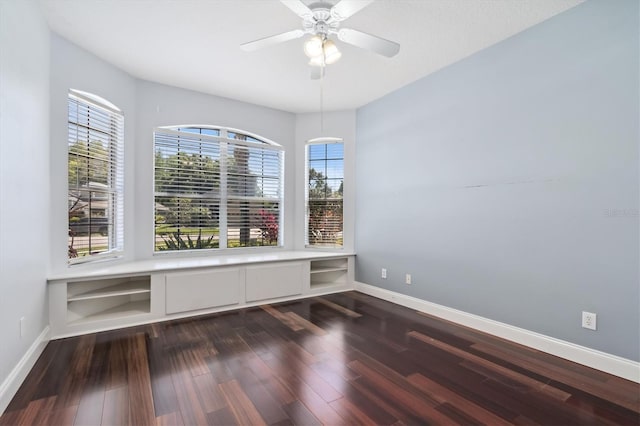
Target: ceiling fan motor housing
<point>321,21</point>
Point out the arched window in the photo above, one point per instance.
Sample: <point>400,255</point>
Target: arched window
<point>95,177</point>
<point>215,188</point>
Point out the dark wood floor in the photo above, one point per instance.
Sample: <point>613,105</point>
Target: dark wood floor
<point>339,359</point>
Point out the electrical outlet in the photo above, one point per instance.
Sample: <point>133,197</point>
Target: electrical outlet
<point>384,273</point>
<point>407,278</point>
<point>21,327</point>
<point>588,320</point>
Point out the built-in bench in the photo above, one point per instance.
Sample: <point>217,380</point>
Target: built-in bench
<point>109,295</point>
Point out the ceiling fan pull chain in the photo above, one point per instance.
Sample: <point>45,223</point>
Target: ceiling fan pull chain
<point>322,100</point>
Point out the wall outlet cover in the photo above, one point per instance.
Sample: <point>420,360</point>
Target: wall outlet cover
<point>589,320</point>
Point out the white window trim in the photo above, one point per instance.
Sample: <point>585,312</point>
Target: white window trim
<point>326,140</point>
<point>118,219</point>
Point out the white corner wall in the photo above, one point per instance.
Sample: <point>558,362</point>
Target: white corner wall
<point>24,190</point>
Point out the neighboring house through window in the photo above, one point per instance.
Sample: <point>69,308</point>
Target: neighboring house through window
<point>324,204</point>
<point>95,177</point>
<point>216,188</point>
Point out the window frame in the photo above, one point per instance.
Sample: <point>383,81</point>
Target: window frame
<point>225,144</point>
<point>308,144</point>
<point>115,173</point>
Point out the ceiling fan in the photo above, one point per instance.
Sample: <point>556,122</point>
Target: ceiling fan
<point>322,19</point>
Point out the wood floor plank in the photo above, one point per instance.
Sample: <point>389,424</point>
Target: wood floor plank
<point>266,404</point>
<point>306,324</point>
<point>421,407</point>
<point>165,400</point>
<point>74,380</point>
<point>190,408</point>
<point>116,407</point>
<point>288,361</point>
<point>285,319</point>
<point>351,413</point>
<point>63,416</point>
<point>397,412</point>
<point>139,383</point>
<point>366,404</point>
<point>535,406</point>
<point>267,378</point>
<point>10,418</point>
<point>223,417</point>
<point>457,415</point>
<point>446,396</point>
<point>210,397</point>
<point>44,380</point>
<point>241,406</point>
<point>218,370</point>
<point>117,364</point>
<point>169,419</point>
<point>37,412</point>
<point>300,415</point>
<point>498,369</point>
<point>91,403</point>
<point>305,393</point>
<point>340,359</point>
<point>615,394</point>
<point>336,307</point>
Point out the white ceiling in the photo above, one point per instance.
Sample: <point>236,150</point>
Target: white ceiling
<point>193,44</point>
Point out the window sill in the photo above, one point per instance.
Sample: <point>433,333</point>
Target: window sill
<point>175,264</point>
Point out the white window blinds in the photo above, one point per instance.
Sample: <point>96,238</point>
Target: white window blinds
<point>95,177</point>
<point>216,189</point>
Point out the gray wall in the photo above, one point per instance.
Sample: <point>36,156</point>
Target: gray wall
<point>24,177</point>
<point>507,183</point>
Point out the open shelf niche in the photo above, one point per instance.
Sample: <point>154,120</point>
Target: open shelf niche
<point>106,299</point>
<point>329,272</point>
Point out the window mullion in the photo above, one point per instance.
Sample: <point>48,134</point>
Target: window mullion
<point>223,222</point>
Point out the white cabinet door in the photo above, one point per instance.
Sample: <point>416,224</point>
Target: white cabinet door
<point>190,291</point>
<point>274,280</point>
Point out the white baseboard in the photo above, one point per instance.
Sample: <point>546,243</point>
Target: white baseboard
<point>603,361</point>
<point>12,383</point>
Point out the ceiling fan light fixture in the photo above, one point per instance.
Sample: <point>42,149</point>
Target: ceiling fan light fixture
<point>313,47</point>
<point>331,52</point>
<point>317,61</point>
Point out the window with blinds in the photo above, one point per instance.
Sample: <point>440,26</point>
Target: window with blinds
<point>325,181</point>
<point>95,177</point>
<point>216,188</point>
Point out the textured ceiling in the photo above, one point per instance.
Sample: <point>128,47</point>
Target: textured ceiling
<point>193,44</point>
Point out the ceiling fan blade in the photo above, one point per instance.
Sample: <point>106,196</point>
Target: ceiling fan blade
<point>298,8</point>
<point>370,42</point>
<point>269,41</point>
<point>346,8</point>
<point>317,73</point>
